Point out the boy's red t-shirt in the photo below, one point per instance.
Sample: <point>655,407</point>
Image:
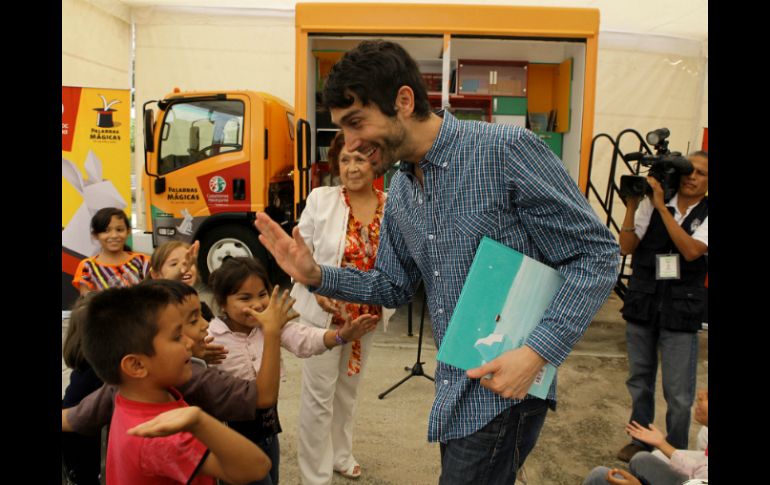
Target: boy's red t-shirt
<point>133,460</point>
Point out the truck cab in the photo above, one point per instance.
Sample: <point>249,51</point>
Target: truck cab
<point>212,161</point>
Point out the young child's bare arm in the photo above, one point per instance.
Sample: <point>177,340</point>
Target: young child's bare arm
<point>272,320</point>
<point>232,458</point>
<point>352,330</point>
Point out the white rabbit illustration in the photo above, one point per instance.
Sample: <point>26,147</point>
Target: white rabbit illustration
<point>185,227</point>
<point>97,193</point>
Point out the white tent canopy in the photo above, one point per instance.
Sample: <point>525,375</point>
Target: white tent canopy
<point>652,63</point>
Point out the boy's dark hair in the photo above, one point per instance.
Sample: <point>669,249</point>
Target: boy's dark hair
<point>228,278</point>
<point>175,286</point>
<point>374,71</point>
<point>122,321</point>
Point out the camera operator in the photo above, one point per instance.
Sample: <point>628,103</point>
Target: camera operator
<point>665,301</point>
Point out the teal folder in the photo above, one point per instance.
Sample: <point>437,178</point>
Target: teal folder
<point>503,299</point>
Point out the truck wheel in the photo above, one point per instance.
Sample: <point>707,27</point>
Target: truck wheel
<point>228,240</point>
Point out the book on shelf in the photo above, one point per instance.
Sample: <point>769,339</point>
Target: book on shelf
<point>503,299</point>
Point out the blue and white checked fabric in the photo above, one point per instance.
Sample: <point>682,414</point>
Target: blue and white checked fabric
<point>492,180</point>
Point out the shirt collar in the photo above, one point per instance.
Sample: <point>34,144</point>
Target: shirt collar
<point>440,153</point>
<point>673,202</point>
<point>218,328</point>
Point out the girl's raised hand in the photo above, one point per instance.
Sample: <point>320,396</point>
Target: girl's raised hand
<point>278,312</point>
<point>651,436</point>
<point>189,263</point>
<point>353,330</point>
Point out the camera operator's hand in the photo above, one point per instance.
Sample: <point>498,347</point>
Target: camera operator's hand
<point>657,194</point>
<point>632,203</point>
<point>627,238</point>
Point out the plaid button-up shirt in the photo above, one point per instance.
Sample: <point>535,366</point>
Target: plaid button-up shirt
<point>492,180</point>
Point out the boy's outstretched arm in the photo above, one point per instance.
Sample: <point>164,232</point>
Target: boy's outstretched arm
<point>219,393</point>
<point>65,424</point>
<point>91,413</point>
<point>232,457</point>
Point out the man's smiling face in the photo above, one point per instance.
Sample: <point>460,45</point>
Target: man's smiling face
<point>367,130</point>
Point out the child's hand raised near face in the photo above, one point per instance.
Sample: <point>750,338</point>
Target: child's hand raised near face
<point>353,330</point>
<point>213,354</point>
<point>188,264</point>
<point>278,312</point>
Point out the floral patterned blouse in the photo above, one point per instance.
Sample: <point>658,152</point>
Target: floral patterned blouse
<point>360,253</point>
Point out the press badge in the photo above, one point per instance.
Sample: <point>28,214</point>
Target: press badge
<point>666,266</point>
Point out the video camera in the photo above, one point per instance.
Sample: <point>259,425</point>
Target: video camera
<point>666,166</point>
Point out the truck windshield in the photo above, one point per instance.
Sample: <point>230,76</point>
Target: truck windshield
<point>198,130</point>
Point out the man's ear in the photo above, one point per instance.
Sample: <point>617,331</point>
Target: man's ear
<point>405,101</point>
<point>133,365</point>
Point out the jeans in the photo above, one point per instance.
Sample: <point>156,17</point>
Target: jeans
<point>649,469</point>
<point>272,449</point>
<point>597,476</point>
<point>493,454</point>
<point>679,359</point>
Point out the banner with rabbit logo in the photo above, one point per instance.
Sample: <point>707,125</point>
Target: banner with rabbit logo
<point>96,169</point>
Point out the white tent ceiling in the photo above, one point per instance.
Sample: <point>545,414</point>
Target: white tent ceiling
<point>679,19</point>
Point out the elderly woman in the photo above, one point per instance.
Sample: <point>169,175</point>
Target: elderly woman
<point>341,225</point>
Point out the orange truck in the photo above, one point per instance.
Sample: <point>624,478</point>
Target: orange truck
<point>212,161</point>
<point>215,159</point>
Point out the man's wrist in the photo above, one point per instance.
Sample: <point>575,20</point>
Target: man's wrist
<point>535,355</point>
<point>628,229</point>
<point>316,276</point>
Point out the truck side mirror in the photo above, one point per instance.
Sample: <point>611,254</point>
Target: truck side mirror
<point>160,185</point>
<point>149,140</point>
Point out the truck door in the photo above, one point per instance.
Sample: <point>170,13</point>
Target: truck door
<point>202,159</point>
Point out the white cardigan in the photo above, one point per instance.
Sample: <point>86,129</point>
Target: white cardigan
<point>323,226</point>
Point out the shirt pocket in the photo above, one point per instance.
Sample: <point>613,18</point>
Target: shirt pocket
<point>477,224</point>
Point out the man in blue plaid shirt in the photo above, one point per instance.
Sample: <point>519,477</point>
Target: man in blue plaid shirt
<point>462,180</point>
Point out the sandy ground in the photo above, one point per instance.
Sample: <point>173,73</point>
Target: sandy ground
<point>390,434</point>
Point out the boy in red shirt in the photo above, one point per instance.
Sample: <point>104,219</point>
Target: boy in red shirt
<point>133,338</point>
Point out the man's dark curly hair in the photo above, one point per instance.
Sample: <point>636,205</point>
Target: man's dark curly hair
<point>374,71</point>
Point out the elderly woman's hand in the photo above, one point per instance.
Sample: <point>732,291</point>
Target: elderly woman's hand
<point>328,305</point>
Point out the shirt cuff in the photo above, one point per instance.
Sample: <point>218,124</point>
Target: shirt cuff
<point>329,281</point>
<point>548,345</point>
